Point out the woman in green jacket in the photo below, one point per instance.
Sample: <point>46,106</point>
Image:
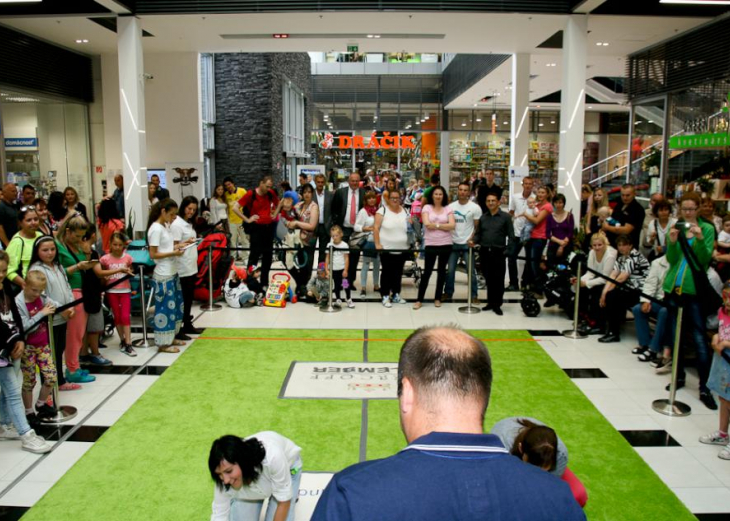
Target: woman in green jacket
<point>679,285</point>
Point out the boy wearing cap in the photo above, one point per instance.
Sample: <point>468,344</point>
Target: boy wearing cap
<point>237,294</point>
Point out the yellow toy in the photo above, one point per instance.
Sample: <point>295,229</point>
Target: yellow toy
<point>278,290</point>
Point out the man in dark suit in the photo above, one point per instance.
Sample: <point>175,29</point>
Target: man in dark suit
<point>345,204</point>
<point>323,198</point>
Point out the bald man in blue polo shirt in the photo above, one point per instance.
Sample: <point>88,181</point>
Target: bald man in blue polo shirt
<point>450,468</point>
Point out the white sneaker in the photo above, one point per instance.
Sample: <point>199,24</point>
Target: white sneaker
<point>338,303</point>
<point>8,432</point>
<point>724,453</point>
<point>350,303</point>
<point>34,443</point>
<point>398,300</point>
<point>714,438</point>
<point>386,302</point>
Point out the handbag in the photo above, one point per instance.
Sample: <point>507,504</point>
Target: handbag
<point>710,301</point>
<point>358,240</point>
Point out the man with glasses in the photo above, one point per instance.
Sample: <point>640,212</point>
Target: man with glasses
<point>518,206</point>
<point>8,213</point>
<point>630,216</point>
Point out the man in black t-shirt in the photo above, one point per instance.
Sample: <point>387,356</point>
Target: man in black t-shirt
<point>489,187</point>
<point>630,215</point>
<point>8,213</point>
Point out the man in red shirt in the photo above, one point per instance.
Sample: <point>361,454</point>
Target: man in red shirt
<point>258,208</point>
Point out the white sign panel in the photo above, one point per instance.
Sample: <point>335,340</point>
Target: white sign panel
<point>341,380</point>
<point>517,173</point>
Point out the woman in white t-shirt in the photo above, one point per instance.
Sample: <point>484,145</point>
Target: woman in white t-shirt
<point>248,471</point>
<point>187,265</point>
<point>390,232</point>
<point>168,293</point>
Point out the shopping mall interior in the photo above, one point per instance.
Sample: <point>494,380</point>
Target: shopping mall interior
<point>569,92</point>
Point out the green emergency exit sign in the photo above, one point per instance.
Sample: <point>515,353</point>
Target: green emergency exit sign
<point>352,48</point>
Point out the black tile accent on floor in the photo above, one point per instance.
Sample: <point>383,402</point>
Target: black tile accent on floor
<point>12,513</point>
<point>650,438</point>
<point>544,332</point>
<point>125,369</point>
<point>585,373</point>
<point>88,433</point>
<point>713,517</point>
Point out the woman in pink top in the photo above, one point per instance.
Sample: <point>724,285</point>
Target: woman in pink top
<point>538,239</point>
<point>438,221</point>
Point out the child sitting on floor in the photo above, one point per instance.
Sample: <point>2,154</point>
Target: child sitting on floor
<point>236,292</point>
<point>318,286</point>
<point>34,308</point>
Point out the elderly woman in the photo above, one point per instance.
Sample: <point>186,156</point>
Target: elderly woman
<point>602,259</point>
<point>689,251</point>
<point>250,470</point>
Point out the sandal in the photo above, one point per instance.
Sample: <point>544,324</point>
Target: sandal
<point>647,356</point>
<point>177,342</point>
<point>68,386</point>
<point>168,349</point>
<point>640,350</point>
<point>417,305</point>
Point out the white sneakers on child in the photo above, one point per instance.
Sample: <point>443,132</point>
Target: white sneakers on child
<point>8,432</point>
<point>386,302</point>
<point>350,303</point>
<point>398,300</point>
<point>31,442</point>
<point>715,438</point>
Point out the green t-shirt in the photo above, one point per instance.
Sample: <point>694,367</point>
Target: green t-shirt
<point>67,260</point>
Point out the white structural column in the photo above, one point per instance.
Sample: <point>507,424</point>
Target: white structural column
<point>520,137</point>
<point>131,100</point>
<point>445,160</point>
<point>572,111</point>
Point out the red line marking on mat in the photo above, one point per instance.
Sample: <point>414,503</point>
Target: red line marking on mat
<point>350,339</point>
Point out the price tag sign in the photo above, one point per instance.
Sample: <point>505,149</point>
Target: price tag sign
<point>517,173</point>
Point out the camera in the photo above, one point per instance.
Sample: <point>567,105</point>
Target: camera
<point>683,225</point>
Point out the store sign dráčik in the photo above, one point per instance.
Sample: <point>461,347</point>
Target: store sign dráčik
<point>386,142</point>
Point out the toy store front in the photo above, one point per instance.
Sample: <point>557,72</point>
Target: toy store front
<point>46,143</point>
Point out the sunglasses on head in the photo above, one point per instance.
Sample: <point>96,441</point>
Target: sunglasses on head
<point>27,208</point>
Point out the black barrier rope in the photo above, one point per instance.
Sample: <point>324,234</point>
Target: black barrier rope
<point>76,302</point>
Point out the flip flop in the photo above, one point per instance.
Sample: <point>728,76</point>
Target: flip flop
<point>168,349</point>
<point>68,386</point>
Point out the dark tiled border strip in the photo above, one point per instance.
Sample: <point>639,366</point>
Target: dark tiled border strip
<point>12,513</point>
<point>544,332</point>
<point>155,370</point>
<point>650,438</point>
<point>585,373</point>
<point>713,517</point>
<point>87,433</point>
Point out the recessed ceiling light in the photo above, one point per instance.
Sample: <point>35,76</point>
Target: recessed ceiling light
<point>479,120</point>
<point>602,44</point>
<point>82,41</point>
<point>552,122</point>
<point>506,123</point>
<point>590,107</point>
<point>370,35</point>
<point>541,124</point>
<point>637,122</point>
<point>377,36</point>
<point>551,64</point>
<point>463,124</point>
<point>475,105</point>
<point>426,117</point>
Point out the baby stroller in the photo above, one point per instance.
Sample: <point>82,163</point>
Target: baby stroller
<point>220,266</point>
<point>558,289</point>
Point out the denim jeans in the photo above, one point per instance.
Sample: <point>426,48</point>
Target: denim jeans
<point>251,510</point>
<point>11,405</point>
<point>460,251</point>
<point>534,276</point>
<point>662,335</point>
<point>246,297</point>
<point>694,326</point>
<point>366,263</point>
<point>513,250</point>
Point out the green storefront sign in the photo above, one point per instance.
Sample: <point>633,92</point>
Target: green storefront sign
<point>700,141</point>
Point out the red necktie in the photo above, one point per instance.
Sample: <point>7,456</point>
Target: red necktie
<point>353,209</point>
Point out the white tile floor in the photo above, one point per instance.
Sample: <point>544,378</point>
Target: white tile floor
<point>693,471</point>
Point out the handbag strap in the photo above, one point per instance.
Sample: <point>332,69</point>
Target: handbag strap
<point>689,255</point>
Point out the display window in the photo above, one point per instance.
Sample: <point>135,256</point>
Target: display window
<point>46,144</point>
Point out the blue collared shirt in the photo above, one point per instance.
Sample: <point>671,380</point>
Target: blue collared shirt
<point>446,476</point>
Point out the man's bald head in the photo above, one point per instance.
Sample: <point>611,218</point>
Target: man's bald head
<point>10,192</point>
<point>446,364</point>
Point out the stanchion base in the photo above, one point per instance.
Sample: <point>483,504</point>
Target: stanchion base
<point>65,413</point>
<point>330,309</point>
<point>574,334</point>
<point>663,406</point>
<point>141,342</point>
<point>469,310</point>
<point>210,309</point>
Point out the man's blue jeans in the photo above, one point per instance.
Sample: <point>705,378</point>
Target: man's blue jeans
<point>459,251</point>
<point>11,404</point>
<point>662,335</point>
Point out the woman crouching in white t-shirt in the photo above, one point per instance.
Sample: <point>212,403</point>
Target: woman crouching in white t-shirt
<point>248,471</point>
<point>168,293</point>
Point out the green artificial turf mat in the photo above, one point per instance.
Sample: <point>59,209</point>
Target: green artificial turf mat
<point>152,463</point>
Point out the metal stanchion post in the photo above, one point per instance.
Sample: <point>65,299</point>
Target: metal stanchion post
<point>144,341</point>
<point>330,308</point>
<point>469,309</point>
<point>63,412</point>
<point>574,333</point>
<point>210,306</point>
<point>671,407</point>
